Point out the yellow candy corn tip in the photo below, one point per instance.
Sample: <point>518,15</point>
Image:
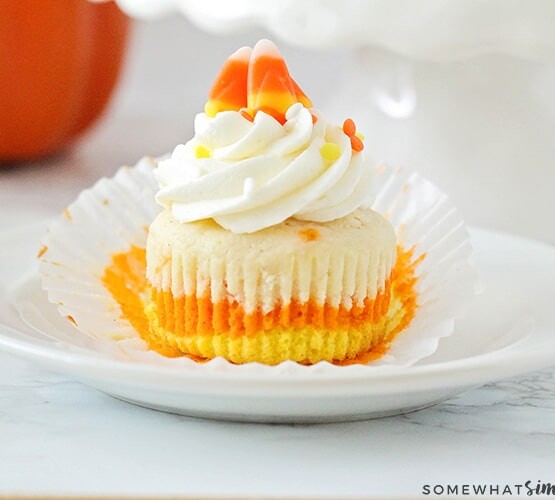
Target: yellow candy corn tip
<point>360,136</point>
<point>202,152</point>
<point>211,108</point>
<point>330,151</point>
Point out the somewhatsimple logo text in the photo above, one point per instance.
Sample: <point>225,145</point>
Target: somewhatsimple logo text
<point>529,488</point>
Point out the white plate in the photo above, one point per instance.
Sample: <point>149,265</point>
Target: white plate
<point>508,331</point>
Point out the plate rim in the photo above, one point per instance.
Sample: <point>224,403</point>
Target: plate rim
<point>462,373</point>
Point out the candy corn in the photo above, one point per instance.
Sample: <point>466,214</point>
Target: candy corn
<point>270,86</point>
<point>253,80</point>
<point>229,91</point>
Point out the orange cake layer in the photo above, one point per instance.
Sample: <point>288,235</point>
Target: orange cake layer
<point>188,315</point>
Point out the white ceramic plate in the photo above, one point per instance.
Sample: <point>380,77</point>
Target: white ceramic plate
<point>508,330</point>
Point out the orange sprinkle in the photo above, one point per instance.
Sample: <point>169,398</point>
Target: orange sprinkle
<point>314,119</point>
<point>350,130</point>
<point>356,144</point>
<point>71,319</point>
<point>349,127</point>
<point>42,251</point>
<point>309,234</point>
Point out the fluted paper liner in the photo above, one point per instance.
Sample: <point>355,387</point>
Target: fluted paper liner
<point>115,213</point>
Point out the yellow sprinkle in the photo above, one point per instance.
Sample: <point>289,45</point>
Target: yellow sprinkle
<point>360,136</point>
<point>202,152</point>
<point>330,151</point>
<point>211,108</point>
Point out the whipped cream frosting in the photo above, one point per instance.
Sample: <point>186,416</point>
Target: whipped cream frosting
<point>249,175</point>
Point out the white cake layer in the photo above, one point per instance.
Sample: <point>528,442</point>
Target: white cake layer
<point>339,262</point>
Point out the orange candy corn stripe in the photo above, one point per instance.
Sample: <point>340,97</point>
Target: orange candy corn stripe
<point>229,91</point>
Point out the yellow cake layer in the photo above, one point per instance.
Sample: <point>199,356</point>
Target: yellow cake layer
<point>304,344</point>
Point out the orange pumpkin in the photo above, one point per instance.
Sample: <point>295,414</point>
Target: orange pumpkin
<point>59,61</point>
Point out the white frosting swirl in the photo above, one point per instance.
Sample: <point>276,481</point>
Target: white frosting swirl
<point>261,173</point>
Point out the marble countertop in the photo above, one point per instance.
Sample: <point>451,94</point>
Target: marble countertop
<point>60,437</point>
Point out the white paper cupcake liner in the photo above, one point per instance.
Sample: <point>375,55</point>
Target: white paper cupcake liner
<point>115,213</point>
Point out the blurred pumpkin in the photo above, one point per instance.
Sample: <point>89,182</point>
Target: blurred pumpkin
<point>59,61</point>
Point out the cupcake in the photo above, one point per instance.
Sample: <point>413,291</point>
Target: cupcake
<point>266,249</point>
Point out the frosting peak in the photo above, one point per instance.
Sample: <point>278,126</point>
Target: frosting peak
<point>262,154</point>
